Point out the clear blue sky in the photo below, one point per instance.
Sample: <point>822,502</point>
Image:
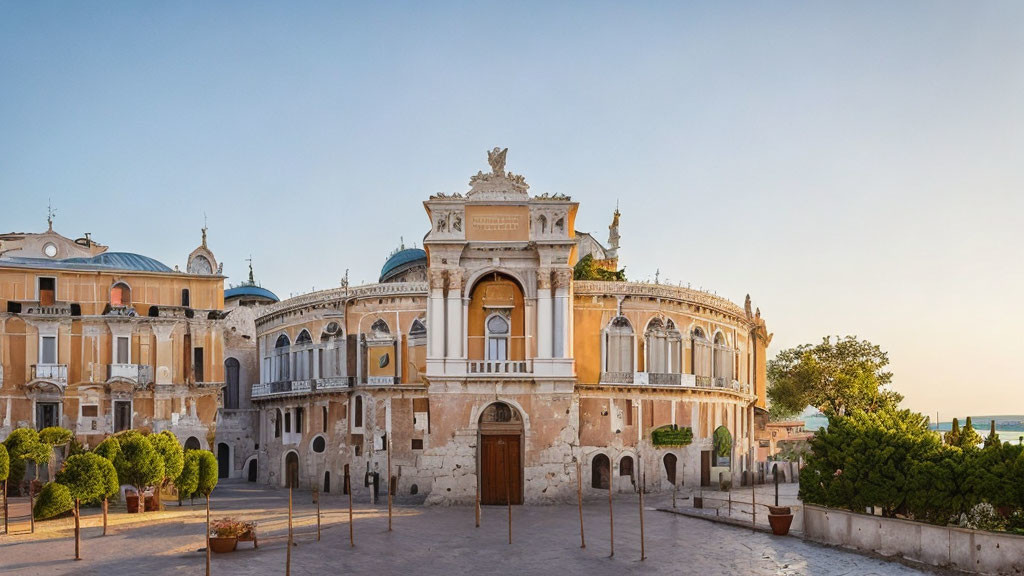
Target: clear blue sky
<point>856,167</point>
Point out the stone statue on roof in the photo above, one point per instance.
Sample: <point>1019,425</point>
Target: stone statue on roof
<point>496,158</point>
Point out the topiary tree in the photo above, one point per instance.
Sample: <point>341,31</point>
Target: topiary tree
<point>166,443</point>
<point>187,481</point>
<point>55,436</point>
<point>5,471</point>
<point>207,473</point>
<point>18,443</point>
<point>83,477</point>
<point>39,453</point>
<point>110,449</point>
<point>139,464</point>
<point>54,499</point>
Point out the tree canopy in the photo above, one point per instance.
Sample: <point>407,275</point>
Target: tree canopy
<point>587,269</point>
<point>139,464</point>
<point>207,472</point>
<point>55,436</point>
<point>20,442</point>
<point>5,463</point>
<point>837,378</point>
<point>110,449</point>
<point>83,476</point>
<point>187,480</point>
<point>166,443</point>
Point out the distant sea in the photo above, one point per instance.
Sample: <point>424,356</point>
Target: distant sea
<point>1009,428</point>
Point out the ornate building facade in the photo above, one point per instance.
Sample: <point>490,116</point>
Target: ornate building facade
<point>99,342</point>
<point>479,363</point>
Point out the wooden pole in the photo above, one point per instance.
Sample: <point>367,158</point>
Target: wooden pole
<point>477,505</point>
<point>389,482</point>
<point>78,531</point>
<point>6,529</point>
<point>643,555</point>
<point>104,515</point>
<point>579,500</point>
<point>316,494</point>
<point>31,509</point>
<point>207,532</point>
<point>351,528</point>
<point>288,556</point>
<point>611,513</point>
<point>675,490</point>
<point>753,506</point>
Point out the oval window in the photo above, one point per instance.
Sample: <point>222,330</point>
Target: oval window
<point>319,444</point>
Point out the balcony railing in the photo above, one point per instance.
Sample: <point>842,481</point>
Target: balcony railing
<point>382,380</point>
<point>296,387</point>
<point>489,367</point>
<point>54,309</point>
<point>55,372</point>
<point>664,379</point>
<point>333,383</point>
<point>139,373</point>
<point>617,377</point>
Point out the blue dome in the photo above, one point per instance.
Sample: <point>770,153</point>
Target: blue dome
<point>257,291</point>
<point>122,261</point>
<point>400,259</point>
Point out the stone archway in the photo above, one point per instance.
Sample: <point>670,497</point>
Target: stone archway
<point>291,470</point>
<point>499,456</point>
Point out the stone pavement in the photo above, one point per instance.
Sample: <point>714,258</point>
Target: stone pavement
<point>426,541</point>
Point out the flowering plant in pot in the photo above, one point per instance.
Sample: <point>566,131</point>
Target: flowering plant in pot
<point>224,533</point>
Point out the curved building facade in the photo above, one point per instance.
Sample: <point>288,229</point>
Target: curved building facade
<point>480,364</point>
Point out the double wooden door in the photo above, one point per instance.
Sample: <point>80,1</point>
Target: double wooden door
<point>501,472</point>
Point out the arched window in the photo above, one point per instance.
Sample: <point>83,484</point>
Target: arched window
<point>701,354</point>
<point>281,358</point>
<point>304,356</point>
<point>497,337</point>
<point>380,328</point>
<point>332,348</point>
<point>192,443</point>
<point>231,368</point>
<point>722,361</point>
<point>120,295</point>
<point>626,466</point>
<point>662,347</point>
<point>418,328</point>
<point>619,346</point>
<point>304,338</point>
<point>600,472</point>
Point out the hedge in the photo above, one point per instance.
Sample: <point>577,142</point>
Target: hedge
<point>53,500</point>
<point>55,436</point>
<point>672,435</point>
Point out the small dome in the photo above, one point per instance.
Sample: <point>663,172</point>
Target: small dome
<point>121,261</point>
<point>250,291</point>
<point>401,261</point>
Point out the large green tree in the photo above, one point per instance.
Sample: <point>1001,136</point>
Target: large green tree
<point>836,377</point>
<point>139,464</point>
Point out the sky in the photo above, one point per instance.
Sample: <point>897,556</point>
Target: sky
<point>855,167</point>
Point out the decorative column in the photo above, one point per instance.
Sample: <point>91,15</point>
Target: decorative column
<point>544,314</point>
<point>561,345</point>
<point>454,315</point>
<point>164,353</point>
<point>435,315</point>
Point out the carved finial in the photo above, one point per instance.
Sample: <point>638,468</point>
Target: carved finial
<point>496,158</point>
<point>746,307</point>
<point>252,280</point>
<point>50,213</point>
<point>204,229</point>
<point>657,275</point>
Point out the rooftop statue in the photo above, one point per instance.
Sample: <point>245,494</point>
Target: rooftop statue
<point>496,158</point>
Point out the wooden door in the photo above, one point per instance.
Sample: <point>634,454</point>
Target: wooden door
<point>705,468</point>
<point>292,470</point>
<point>500,469</point>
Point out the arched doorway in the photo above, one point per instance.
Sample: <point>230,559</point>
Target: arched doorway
<point>500,460</point>
<point>291,470</point>
<point>192,443</point>
<point>600,472</point>
<point>223,460</point>
<point>252,470</point>
<point>670,468</point>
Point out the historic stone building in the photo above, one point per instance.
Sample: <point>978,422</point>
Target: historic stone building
<point>99,341</point>
<point>480,364</point>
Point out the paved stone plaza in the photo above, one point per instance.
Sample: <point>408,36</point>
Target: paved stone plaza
<point>425,540</point>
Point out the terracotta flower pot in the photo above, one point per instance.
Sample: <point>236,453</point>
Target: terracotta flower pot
<point>222,545</point>
<point>131,501</point>
<point>780,510</point>
<point>780,523</point>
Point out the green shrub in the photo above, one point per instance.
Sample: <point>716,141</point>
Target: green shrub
<point>18,443</point>
<point>83,477</point>
<point>166,443</point>
<point>110,448</point>
<point>207,472</point>
<point>55,436</point>
<point>672,435</point>
<point>55,499</point>
<point>188,480</point>
<point>5,463</point>
<point>111,486</point>
<point>139,464</point>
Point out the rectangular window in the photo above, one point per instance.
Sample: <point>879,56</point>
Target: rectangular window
<point>198,364</point>
<point>417,444</point>
<point>288,422</point>
<point>47,291</point>
<point>47,414</point>
<point>48,350</point>
<point>121,350</point>
<point>497,349</point>
<point>185,299</point>
<point>629,412</point>
<point>323,417</point>
<point>90,411</point>
<point>298,420</point>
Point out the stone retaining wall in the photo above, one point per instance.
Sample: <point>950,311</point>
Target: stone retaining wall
<point>950,547</point>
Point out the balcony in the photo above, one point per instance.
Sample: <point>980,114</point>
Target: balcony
<point>333,383</point>
<point>664,379</point>
<point>53,372</point>
<point>617,377</point>
<point>138,373</point>
<point>299,387</point>
<point>39,309</point>
<point>498,367</point>
<point>382,380</point>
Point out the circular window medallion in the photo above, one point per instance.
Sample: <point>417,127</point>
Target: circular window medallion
<point>319,444</point>
<point>50,249</point>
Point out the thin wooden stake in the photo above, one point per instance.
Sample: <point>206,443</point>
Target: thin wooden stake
<point>288,556</point>
<point>753,506</point>
<point>78,531</point>
<point>611,513</point>
<point>477,505</point>
<point>643,555</point>
<point>579,500</point>
<point>104,515</point>
<point>207,535</point>
<point>351,528</point>
<point>317,515</point>
<point>6,529</point>
<point>31,510</point>
<point>508,492</point>
<point>389,482</point>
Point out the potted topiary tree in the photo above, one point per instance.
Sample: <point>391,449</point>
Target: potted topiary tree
<point>207,482</point>
<point>139,465</point>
